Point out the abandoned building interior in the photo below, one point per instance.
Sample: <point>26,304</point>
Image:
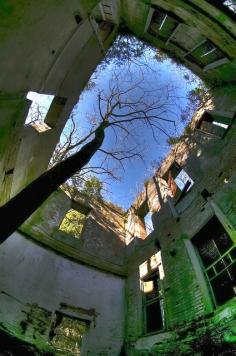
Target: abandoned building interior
<point>119,289</point>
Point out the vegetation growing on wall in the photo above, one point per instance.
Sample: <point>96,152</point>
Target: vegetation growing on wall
<point>197,99</point>
<point>68,336</point>
<point>73,223</point>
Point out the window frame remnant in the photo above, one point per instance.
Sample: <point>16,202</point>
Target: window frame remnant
<point>105,29</point>
<point>68,225</point>
<point>67,334</point>
<point>151,274</point>
<point>148,223</point>
<point>184,181</point>
<point>173,174</point>
<point>226,8</point>
<point>231,5</point>
<point>38,111</point>
<point>205,54</point>
<point>214,124</point>
<point>168,23</point>
<point>142,212</point>
<point>219,57</point>
<point>217,253</point>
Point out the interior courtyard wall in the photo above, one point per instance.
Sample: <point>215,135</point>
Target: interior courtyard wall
<point>59,55</point>
<point>46,283</point>
<point>186,294</point>
<point>101,243</point>
<point>184,284</point>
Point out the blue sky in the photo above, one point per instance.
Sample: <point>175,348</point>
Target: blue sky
<point>156,75</point>
<point>135,172</point>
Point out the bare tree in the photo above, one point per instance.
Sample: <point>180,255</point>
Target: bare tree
<point>121,109</point>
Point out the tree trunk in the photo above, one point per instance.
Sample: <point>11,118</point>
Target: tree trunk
<point>19,208</point>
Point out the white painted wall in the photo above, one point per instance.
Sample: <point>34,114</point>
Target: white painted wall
<point>31,274</point>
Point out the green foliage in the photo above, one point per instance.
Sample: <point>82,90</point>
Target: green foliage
<point>92,188</point>
<point>68,336</point>
<point>198,95</point>
<point>196,99</point>
<point>125,49</point>
<point>73,223</point>
<point>172,140</point>
<point>89,85</point>
<point>161,56</point>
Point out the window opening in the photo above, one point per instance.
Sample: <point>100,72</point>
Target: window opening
<point>230,5</point>
<point>178,180</point>
<point>151,274</point>
<point>68,334</point>
<point>205,54</point>
<point>218,255</point>
<point>162,24</point>
<point>148,222</point>
<point>38,110</point>
<point>105,29</point>
<point>184,181</point>
<point>206,194</point>
<point>78,18</point>
<point>227,6</point>
<point>73,223</point>
<point>143,222</point>
<point>214,124</point>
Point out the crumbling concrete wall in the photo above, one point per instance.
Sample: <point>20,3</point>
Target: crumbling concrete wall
<point>101,243</point>
<point>26,306</point>
<point>13,110</point>
<point>38,56</point>
<point>190,314</point>
<point>196,21</point>
<point>46,283</point>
